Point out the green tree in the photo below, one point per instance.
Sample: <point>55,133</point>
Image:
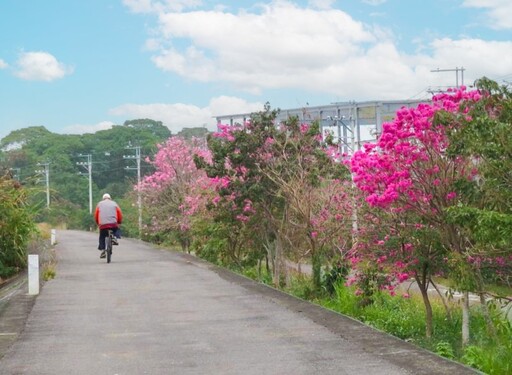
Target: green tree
<point>24,150</point>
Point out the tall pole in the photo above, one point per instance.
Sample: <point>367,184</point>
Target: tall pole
<point>90,184</point>
<point>88,167</point>
<point>46,172</point>
<point>354,120</point>
<point>139,198</point>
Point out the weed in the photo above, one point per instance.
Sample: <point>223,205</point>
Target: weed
<point>49,272</point>
<point>445,349</point>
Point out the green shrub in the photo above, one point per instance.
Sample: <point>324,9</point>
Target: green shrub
<point>445,349</point>
<point>337,274</point>
<point>405,318</point>
<point>262,276</point>
<point>302,286</point>
<point>49,273</point>
<point>16,227</point>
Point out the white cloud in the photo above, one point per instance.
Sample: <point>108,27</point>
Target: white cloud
<point>478,57</point>
<point>3,64</point>
<point>280,45</point>
<point>498,14</point>
<point>81,129</point>
<point>283,46</point>
<point>151,6</point>
<point>321,4</point>
<point>177,116</point>
<point>40,66</point>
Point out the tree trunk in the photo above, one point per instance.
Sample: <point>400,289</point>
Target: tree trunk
<point>485,309</point>
<point>271,254</point>
<point>317,270</point>
<point>277,262</point>
<point>443,299</point>
<point>423,286</point>
<point>465,318</point>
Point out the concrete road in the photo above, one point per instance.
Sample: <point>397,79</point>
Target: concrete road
<point>152,311</point>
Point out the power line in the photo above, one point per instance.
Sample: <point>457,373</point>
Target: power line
<point>88,167</point>
<point>139,199</point>
<point>46,172</point>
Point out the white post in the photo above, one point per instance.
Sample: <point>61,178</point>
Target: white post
<point>53,237</point>
<point>33,274</point>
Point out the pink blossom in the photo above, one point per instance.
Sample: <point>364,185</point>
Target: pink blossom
<point>402,277</point>
<point>451,195</point>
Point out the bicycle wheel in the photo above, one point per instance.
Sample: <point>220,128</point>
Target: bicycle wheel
<point>108,247</point>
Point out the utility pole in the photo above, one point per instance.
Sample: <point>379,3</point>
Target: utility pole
<point>46,172</point>
<point>88,167</point>
<point>139,199</point>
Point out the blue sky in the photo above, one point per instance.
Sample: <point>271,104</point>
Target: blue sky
<point>78,66</point>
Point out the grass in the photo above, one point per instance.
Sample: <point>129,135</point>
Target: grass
<point>49,272</point>
<point>41,245</point>
<point>405,319</point>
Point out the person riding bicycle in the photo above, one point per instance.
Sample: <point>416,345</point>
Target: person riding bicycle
<point>108,215</point>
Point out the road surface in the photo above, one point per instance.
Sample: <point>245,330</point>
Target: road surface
<point>152,311</point>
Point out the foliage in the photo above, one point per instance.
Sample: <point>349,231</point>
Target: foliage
<point>337,274</point>
<point>191,133</point>
<point>176,190</point>
<point>24,150</point>
<point>403,318</point>
<point>279,180</point>
<point>16,226</point>
<point>19,138</point>
<point>49,272</point>
<point>410,175</point>
<point>484,217</point>
<point>445,349</point>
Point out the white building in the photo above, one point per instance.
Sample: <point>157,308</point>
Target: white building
<point>355,123</point>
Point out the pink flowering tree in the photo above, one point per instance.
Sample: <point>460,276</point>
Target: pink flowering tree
<point>275,187</point>
<point>409,176</point>
<point>239,235</point>
<point>316,220</point>
<point>175,191</point>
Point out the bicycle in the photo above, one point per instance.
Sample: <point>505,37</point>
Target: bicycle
<point>109,240</point>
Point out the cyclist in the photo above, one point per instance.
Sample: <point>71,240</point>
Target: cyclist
<point>108,215</point>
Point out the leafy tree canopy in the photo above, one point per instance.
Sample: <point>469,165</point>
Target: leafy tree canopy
<point>112,152</point>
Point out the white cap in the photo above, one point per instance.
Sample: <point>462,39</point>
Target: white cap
<point>106,196</point>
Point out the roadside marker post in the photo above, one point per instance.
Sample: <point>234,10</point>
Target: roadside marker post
<point>53,236</point>
<point>33,274</point>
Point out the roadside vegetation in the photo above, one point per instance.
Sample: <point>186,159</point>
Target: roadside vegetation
<point>16,226</point>
<point>429,202</point>
<point>404,317</point>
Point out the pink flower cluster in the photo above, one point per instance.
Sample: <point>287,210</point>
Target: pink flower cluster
<point>404,163</point>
